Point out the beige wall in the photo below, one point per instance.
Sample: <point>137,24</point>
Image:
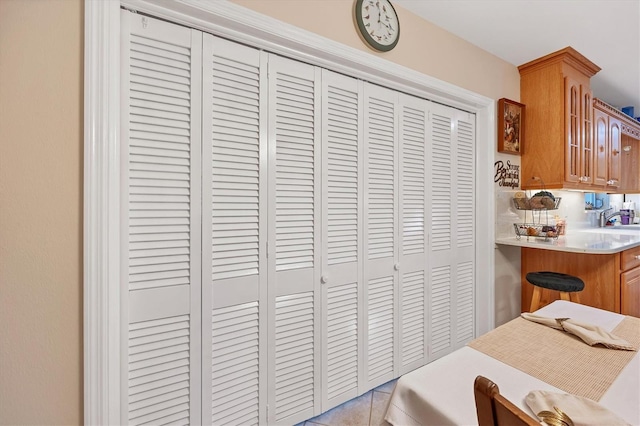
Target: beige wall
<point>41,211</point>
<point>41,178</point>
<point>423,46</point>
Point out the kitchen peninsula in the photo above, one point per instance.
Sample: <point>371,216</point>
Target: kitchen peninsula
<point>606,259</point>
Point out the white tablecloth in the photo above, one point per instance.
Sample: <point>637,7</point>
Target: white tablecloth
<point>441,393</point>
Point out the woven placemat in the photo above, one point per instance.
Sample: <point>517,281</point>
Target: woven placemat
<point>559,358</point>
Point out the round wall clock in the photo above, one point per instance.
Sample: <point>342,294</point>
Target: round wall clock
<point>378,23</point>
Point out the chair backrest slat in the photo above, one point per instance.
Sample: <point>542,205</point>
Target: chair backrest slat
<point>495,410</point>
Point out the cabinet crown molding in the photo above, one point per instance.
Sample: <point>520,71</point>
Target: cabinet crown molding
<point>629,126</point>
<point>568,55</point>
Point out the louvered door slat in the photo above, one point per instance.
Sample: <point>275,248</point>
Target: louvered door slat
<point>413,180</point>
<point>381,178</point>
<point>453,224</point>
<point>381,237</point>
<point>158,373</point>
<point>235,362</point>
<point>440,310</point>
<point>441,165</point>
<point>342,236</point>
<point>380,333</point>
<point>234,226</point>
<point>465,185</point>
<point>294,251</point>
<point>295,166</point>
<point>161,251</point>
<point>413,259</point>
<point>235,138</point>
<point>413,317</point>
<point>342,340</point>
<point>294,354</point>
<point>157,198</point>
<point>465,302</point>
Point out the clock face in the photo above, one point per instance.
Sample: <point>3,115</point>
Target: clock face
<point>378,23</point>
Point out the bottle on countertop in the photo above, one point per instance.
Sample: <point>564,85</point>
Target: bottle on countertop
<point>561,225</point>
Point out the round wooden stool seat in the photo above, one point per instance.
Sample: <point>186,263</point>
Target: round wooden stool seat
<point>567,285</point>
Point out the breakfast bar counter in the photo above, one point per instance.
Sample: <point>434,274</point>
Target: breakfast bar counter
<point>606,259</point>
<point>592,240</point>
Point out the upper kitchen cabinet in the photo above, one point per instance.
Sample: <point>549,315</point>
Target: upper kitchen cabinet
<point>617,145</point>
<point>607,157</point>
<point>559,148</point>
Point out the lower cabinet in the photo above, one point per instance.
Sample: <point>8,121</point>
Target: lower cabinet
<point>612,281</point>
<point>630,292</point>
<point>630,282</point>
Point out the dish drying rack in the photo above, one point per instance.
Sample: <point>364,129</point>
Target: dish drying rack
<point>539,205</point>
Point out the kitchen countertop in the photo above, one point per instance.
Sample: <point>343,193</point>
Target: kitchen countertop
<point>592,240</point>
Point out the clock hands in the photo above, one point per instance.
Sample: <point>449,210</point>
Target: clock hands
<point>378,22</point>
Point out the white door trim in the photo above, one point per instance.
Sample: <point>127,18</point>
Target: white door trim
<point>102,328</point>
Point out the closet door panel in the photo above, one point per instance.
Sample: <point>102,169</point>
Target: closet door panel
<point>341,237</point>
<point>294,243</point>
<point>451,251</point>
<point>465,224</point>
<point>413,260</point>
<point>160,221</point>
<point>380,235</point>
<point>234,233</point>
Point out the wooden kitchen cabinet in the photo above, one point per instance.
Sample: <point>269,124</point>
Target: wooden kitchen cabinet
<point>614,154</point>
<point>559,110</point>
<point>630,182</point>
<point>630,282</point>
<point>611,281</point>
<point>600,138</point>
<point>630,288</point>
<point>617,149</point>
<point>607,134</point>
<point>600,273</point>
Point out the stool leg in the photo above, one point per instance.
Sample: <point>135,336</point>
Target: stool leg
<point>575,297</point>
<point>564,295</point>
<point>535,299</point>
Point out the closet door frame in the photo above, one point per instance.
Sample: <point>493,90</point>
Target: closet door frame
<point>101,269</point>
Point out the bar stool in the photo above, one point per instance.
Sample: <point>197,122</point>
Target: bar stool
<point>568,286</point>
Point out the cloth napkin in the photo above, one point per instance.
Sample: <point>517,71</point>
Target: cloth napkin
<point>582,411</point>
<point>591,334</point>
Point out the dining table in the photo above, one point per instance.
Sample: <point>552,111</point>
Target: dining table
<point>441,392</point>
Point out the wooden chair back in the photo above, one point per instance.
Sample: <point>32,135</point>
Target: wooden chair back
<point>495,410</point>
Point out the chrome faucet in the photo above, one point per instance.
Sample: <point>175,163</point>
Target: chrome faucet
<point>603,219</point>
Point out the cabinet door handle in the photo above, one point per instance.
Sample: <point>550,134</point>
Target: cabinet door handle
<point>615,152</point>
<point>612,182</point>
<point>324,279</point>
<point>396,267</point>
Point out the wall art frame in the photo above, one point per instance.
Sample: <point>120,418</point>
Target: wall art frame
<point>511,116</point>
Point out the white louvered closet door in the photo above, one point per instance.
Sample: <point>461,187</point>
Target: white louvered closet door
<point>234,229</point>
<point>160,222</point>
<point>413,263</point>
<point>294,241</point>
<point>342,181</point>
<point>380,235</point>
<point>451,251</point>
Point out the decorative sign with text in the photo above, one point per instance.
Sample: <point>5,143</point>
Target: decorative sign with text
<point>507,175</point>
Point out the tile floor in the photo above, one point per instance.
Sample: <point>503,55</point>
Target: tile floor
<point>366,410</point>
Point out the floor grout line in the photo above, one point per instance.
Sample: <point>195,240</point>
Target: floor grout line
<point>372,395</point>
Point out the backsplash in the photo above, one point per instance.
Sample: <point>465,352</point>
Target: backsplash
<point>571,209</point>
